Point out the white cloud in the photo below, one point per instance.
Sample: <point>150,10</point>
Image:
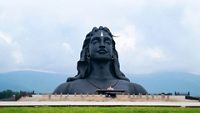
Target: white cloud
<point>48,35</point>
<point>5,38</point>
<point>67,47</point>
<point>11,52</point>
<point>18,57</point>
<point>126,39</point>
<point>191,24</point>
<point>191,17</point>
<point>134,55</point>
<point>155,53</point>
<point>166,3</point>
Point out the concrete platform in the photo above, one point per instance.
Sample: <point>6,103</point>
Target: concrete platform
<point>92,103</point>
<point>102,98</point>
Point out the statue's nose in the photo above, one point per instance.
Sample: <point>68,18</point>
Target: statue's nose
<point>102,45</point>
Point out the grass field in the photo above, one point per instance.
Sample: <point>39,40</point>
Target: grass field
<point>98,110</point>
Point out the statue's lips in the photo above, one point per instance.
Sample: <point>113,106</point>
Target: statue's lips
<point>102,51</point>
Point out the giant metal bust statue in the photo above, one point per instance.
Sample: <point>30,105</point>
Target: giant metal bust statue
<point>98,67</point>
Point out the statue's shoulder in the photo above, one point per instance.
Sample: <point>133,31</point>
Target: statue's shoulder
<point>67,87</point>
<point>139,88</point>
<point>62,88</point>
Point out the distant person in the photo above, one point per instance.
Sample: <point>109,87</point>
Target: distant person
<point>98,67</point>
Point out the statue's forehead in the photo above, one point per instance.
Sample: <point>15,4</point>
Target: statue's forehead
<point>101,33</point>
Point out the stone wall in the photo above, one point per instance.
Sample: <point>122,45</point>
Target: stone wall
<point>101,98</point>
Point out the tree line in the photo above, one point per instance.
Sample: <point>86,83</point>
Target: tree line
<point>9,95</point>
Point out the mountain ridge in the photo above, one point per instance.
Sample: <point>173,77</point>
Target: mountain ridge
<point>44,82</point>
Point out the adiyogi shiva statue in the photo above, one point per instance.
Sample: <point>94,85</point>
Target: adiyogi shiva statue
<point>98,67</point>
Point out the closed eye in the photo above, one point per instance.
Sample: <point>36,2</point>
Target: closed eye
<point>107,40</point>
<point>95,40</point>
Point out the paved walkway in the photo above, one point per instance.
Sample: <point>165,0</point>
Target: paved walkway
<point>81,103</point>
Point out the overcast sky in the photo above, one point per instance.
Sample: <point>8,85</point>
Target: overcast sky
<point>47,35</point>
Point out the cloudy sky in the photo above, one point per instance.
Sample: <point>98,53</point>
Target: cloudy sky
<point>47,35</point>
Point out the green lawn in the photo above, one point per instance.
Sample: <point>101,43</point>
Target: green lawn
<point>98,110</point>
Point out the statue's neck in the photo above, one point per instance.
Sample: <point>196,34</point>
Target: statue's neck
<point>101,70</point>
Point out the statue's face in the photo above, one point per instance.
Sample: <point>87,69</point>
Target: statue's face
<point>101,47</point>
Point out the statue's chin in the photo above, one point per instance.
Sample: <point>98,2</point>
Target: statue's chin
<point>102,59</point>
